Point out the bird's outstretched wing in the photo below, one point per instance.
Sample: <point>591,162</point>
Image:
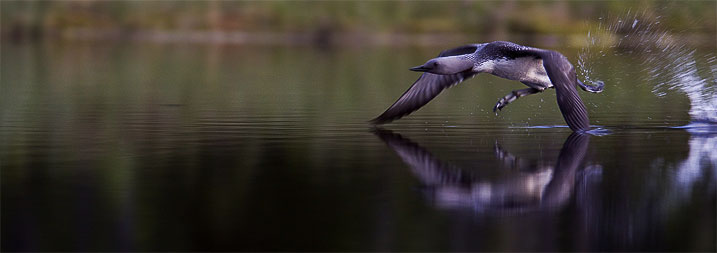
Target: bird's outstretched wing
<point>562,75</point>
<point>427,87</point>
<point>467,49</point>
<point>421,92</point>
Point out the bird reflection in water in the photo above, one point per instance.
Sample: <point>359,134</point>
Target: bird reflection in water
<point>543,188</point>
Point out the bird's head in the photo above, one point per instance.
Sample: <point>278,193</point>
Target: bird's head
<point>445,65</point>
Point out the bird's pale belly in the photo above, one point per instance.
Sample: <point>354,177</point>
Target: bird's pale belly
<point>525,69</point>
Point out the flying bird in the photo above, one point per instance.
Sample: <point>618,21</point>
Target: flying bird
<point>537,68</point>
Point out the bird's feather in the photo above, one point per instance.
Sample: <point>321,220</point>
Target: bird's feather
<point>427,87</point>
<point>562,75</point>
<point>558,68</point>
<point>467,49</point>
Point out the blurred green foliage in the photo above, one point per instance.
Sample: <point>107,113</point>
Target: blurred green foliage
<point>42,18</point>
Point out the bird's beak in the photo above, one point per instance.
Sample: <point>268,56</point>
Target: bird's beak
<point>421,68</point>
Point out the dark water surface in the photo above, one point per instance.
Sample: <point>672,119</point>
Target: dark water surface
<point>127,147</point>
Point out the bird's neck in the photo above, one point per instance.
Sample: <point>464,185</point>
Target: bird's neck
<point>455,64</point>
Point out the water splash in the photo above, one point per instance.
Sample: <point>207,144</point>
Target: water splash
<point>700,128</point>
<point>665,61</point>
<point>595,129</point>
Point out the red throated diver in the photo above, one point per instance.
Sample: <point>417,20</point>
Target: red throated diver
<point>537,68</point>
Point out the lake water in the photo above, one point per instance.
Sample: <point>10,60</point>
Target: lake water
<point>181,147</point>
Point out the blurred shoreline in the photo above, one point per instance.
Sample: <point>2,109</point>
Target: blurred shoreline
<point>321,39</point>
<point>351,23</point>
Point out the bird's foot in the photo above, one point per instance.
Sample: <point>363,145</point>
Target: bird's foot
<point>599,87</point>
<point>498,106</point>
<point>594,87</point>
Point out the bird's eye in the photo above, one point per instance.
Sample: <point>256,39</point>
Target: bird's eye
<point>435,64</point>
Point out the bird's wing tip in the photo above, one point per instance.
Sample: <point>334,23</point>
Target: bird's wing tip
<point>378,121</point>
